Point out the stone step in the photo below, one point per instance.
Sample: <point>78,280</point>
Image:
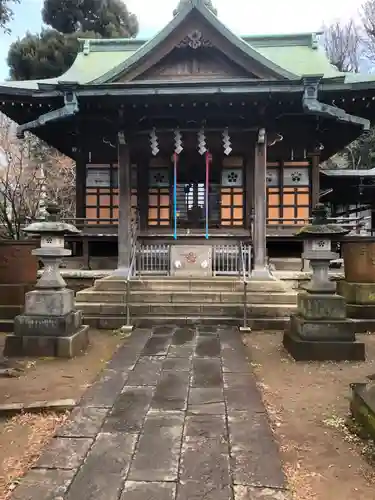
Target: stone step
<point>174,284</point>
<point>256,324</point>
<point>98,308</point>
<point>208,309</point>
<point>287,264</point>
<point>93,295</point>
<point>101,322</point>
<point>172,296</point>
<point>210,296</point>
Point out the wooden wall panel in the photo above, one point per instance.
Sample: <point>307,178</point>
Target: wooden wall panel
<point>159,209</point>
<point>288,194</point>
<point>232,206</point>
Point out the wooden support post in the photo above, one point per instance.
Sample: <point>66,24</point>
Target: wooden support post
<point>142,191</point>
<point>249,190</point>
<point>86,253</point>
<point>81,185</point>
<point>124,222</point>
<point>261,270</point>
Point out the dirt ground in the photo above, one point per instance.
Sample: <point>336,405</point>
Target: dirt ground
<point>23,437</point>
<point>308,404</point>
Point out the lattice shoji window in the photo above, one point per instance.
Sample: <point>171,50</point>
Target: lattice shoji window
<point>288,193</point>
<point>102,193</point>
<point>232,196</point>
<point>159,209</point>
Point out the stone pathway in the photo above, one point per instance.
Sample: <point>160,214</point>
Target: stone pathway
<point>175,415</point>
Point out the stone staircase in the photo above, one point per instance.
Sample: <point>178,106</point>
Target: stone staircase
<point>178,301</point>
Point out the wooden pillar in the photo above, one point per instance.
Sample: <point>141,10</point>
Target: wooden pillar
<point>261,270</point>
<point>315,179</point>
<point>249,190</point>
<point>81,162</point>
<point>142,187</point>
<point>124,218</point>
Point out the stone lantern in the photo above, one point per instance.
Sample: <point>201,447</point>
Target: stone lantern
<point>320,329</point>
<point>50,324</point>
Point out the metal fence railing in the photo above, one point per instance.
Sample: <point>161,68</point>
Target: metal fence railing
<point>153,259</point>
<point>226,259</point>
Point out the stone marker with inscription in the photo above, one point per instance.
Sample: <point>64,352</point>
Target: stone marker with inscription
<point>191,261</point>
<point>320,330</point>
<point>49,325</point>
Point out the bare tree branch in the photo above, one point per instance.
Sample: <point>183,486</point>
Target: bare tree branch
<point>342,44</point>
<point>30,173</point>
<point>368,21</point>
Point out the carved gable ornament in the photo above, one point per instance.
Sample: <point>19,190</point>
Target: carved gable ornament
<point>194,40</point>
<point>195,55</point>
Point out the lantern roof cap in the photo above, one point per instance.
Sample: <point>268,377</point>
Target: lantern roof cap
<point>52,224</point>
<point>320,226</point>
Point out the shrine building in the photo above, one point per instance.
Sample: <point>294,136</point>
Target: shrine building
<point>195,137</point>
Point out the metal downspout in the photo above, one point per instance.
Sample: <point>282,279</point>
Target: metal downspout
<point>70,108</point>
<point>313,106</point>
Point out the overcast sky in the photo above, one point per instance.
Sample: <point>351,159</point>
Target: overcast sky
<point>244,17</point>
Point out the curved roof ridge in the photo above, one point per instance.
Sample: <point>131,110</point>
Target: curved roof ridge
<point>174,24</point>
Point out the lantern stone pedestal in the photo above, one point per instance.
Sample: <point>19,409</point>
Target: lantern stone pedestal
<point>49,326</point>
<point>358,287</point>
<point>320,331</point>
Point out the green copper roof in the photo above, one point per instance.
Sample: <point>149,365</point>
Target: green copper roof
<point>290,56</point>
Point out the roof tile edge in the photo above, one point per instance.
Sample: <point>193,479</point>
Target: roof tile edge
<point>286,39</point>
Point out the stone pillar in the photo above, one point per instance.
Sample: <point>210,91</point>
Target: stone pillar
<point>260,271</point>
<point>124,222</point>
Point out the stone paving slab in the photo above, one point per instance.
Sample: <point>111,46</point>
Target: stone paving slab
<point>46,484</point>
<point>138,490</point>
<point>175,415</point>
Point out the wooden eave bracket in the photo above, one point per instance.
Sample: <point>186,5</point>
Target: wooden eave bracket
<point>70,108</point>
<point>312,105</point>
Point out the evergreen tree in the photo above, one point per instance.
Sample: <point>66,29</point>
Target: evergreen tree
<point>50,53</point>
<point>183,3</point>
<point>6,14</point>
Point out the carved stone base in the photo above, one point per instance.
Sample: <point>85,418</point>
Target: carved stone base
<point>44,325</point>
<point>341,330</point>
<point>321,306</point>
<point>47,346</point>
<point>313,350</point>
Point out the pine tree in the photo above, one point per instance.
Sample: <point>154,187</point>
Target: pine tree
<point>6,14</point>
<point>51,52</point>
